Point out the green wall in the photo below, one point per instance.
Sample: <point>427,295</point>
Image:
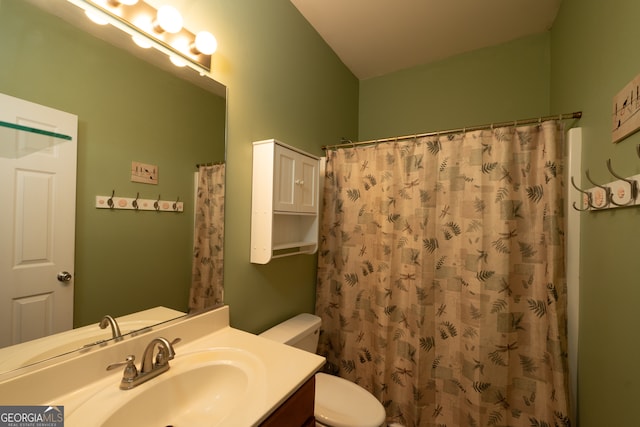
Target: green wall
<point>501,83</point>
<point>127,110</point>
<point>594,54</point>
<point>283,82</point>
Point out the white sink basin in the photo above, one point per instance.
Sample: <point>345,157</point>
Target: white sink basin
<point>201,388</point>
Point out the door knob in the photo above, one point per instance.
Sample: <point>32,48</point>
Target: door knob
<point>64,276</point>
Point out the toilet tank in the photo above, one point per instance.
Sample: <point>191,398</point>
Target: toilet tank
<point>301,331</point>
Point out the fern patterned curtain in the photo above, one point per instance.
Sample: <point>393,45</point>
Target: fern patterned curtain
<point>208,256</point>
<point>441,277</point>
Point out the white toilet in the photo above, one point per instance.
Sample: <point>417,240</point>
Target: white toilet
<point>339,403</point>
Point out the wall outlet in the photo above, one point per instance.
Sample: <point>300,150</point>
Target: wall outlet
<point>142,172</point>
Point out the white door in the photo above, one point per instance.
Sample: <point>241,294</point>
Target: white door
<point>37,219</point>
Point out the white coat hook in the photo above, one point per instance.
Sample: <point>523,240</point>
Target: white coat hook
<point>586,193</point>
<point>633,187</point>
<point>602,198</point>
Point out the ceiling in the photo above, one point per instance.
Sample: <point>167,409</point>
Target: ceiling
<point>377,37</point>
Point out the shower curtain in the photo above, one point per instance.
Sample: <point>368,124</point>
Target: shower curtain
<point>207,271</point>
<point>441,276</point>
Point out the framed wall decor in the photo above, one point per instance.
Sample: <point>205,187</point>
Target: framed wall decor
<point>626,111</point>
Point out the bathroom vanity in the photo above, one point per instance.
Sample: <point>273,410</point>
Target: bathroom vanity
<point>297,410</point>
<point>220,376</point>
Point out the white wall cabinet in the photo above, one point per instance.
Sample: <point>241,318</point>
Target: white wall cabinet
<point>284,201</point>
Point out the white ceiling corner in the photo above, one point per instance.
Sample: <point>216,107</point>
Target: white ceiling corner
<point>377,37</point>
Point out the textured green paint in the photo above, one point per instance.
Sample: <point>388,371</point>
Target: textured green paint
<point>127,110</point>
<point>594,54</point>
<point>501,83</point>
<point>284,83</point>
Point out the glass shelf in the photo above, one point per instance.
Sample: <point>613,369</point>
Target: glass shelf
<point>17,140</point>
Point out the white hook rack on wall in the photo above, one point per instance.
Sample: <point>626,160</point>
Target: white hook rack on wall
<point>136,203</point>
<point>620,193</point>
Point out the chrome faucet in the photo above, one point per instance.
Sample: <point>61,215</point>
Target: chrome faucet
<point>115,329</point>
<point>149,367</point>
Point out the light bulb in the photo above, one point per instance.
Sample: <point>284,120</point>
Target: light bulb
<point>177,61</point>
<point>141,41</point>
<point>117,3</point>
<point>205,43</point>
<point>143,21</point>
<point>168,19</point>
<point>96,18</point>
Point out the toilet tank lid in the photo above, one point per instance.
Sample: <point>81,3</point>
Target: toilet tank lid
<point>292,329</point>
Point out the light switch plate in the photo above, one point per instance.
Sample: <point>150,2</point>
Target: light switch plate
<point>142,172</point>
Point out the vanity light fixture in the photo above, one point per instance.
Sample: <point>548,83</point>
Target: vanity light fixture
<point>160,28</point>
<point>116,3</point>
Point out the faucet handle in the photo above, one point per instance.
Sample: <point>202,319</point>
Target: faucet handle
<point>130,370</point>
<point>164,354</point>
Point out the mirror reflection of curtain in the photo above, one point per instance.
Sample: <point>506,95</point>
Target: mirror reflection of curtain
<point>207,273</point>
<point>441,276</point>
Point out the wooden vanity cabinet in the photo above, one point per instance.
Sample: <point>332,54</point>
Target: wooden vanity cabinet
<point>297,411</point>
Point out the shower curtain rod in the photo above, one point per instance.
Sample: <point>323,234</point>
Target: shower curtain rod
<point>209,164</point>
<point>347,143</point>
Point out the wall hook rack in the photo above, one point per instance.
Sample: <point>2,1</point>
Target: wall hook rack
<point>136,203</point>
<point>619,193</point>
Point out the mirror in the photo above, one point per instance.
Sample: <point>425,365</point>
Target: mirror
<point>129,109</point>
